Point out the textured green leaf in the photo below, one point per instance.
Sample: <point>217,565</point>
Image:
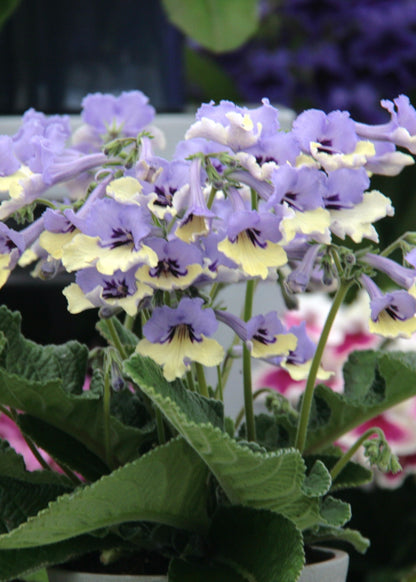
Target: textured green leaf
<point>167,485</point>
<point>6,9</point>
<point>260,480</point>
<point>261,545</point>
<point>18,563</point>
<point>335,511</point>
<point>352,475</point>
<point>128,339</point>
<point>217,25</point>
<point>12,465</point>
<point>62,447</point>
<point>318,481</point>
<point>80,416</point>
<point>374,382</point>
<point>328,533</point>
<point>21,499</point>
<point>25,358</point>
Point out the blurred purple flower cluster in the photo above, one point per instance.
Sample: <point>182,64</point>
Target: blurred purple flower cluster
<point>331,54</point>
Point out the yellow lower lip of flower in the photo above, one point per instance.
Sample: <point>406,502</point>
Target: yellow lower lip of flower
<point>254,260</point>
<point>13,183</point>
<point>308,222</point>
<point>299,372</point>
<point>53,242</point>
<point>85,251</point>
<point>124,189</point>
<point>175,356</point>
<point>282,346</point>
<point>192,228</point>
<point>4,270</point>
<point>386,326</point>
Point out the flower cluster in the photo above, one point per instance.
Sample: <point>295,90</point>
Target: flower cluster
<point>151,243</point>
<point>329,54</point>
<point>240,200</point>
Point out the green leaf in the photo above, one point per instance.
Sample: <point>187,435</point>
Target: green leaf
<point>80,416</point>
<point>215,24</point>
<point>6,9</point>
<point>31,361</point>
<point>318,481</point>
<point>257,479</point>
<point>352,475</point>
<point>374,382</point>
<point>12,465</point>
<point>329,533</point>
<point>22,562</point>
<point>167,485</point>
<point>335,511</point>
<point>261,545</point>
<point>38,576</point>
<point>21,499</point>
<point>246,544</point>
<point>62,447</point>
<point>209,79</point>
<point>128,339</point>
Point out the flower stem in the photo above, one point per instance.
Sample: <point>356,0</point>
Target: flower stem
<point>116,340</point>
<point>106,410</point>
<point>161,433</point>
<point>313,372</point>
<point>202,383</point>
<point>247,380</point>
<point>340,464</point>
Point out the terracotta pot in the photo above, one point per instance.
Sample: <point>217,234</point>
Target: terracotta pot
<point>332,570</point>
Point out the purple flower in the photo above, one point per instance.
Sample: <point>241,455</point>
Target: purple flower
<point>176,337</point>
<point>39,138</point>
<point>234,126</point>
<point>179,265</point>
<point>128,113</point>
<point>403,276</point>
<point>265,335</point>
<point>197,218</point>
<point>334,132</point>
<point>393,313</point>
<point>9,164</point>
<point>93,289</point>
<point>252,242</point>
<point>345,188</point>
<point>300,188</point>
<point>298,280</point>
<point>400,130</point>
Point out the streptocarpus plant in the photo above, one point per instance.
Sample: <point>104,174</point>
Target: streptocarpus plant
<point>148,460</point>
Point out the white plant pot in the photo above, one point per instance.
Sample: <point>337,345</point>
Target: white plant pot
<point>332,570</point>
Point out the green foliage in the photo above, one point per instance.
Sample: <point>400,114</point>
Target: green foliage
<point>146,490</point>
<point>217,488</point>
<point>274,553</point>
<point>214,24</point>
<point>273,481</point>
<point>374,382</point>
<point>6,9</point>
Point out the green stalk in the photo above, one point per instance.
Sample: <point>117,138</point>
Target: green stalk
<point>106,410</point>
<point>161,433</point>
<point>202,383</point>
<point>340,464</point>
<point>247,380</point>
<point>313,372</point>
<point>219,393</point>
<point>116,340</point>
